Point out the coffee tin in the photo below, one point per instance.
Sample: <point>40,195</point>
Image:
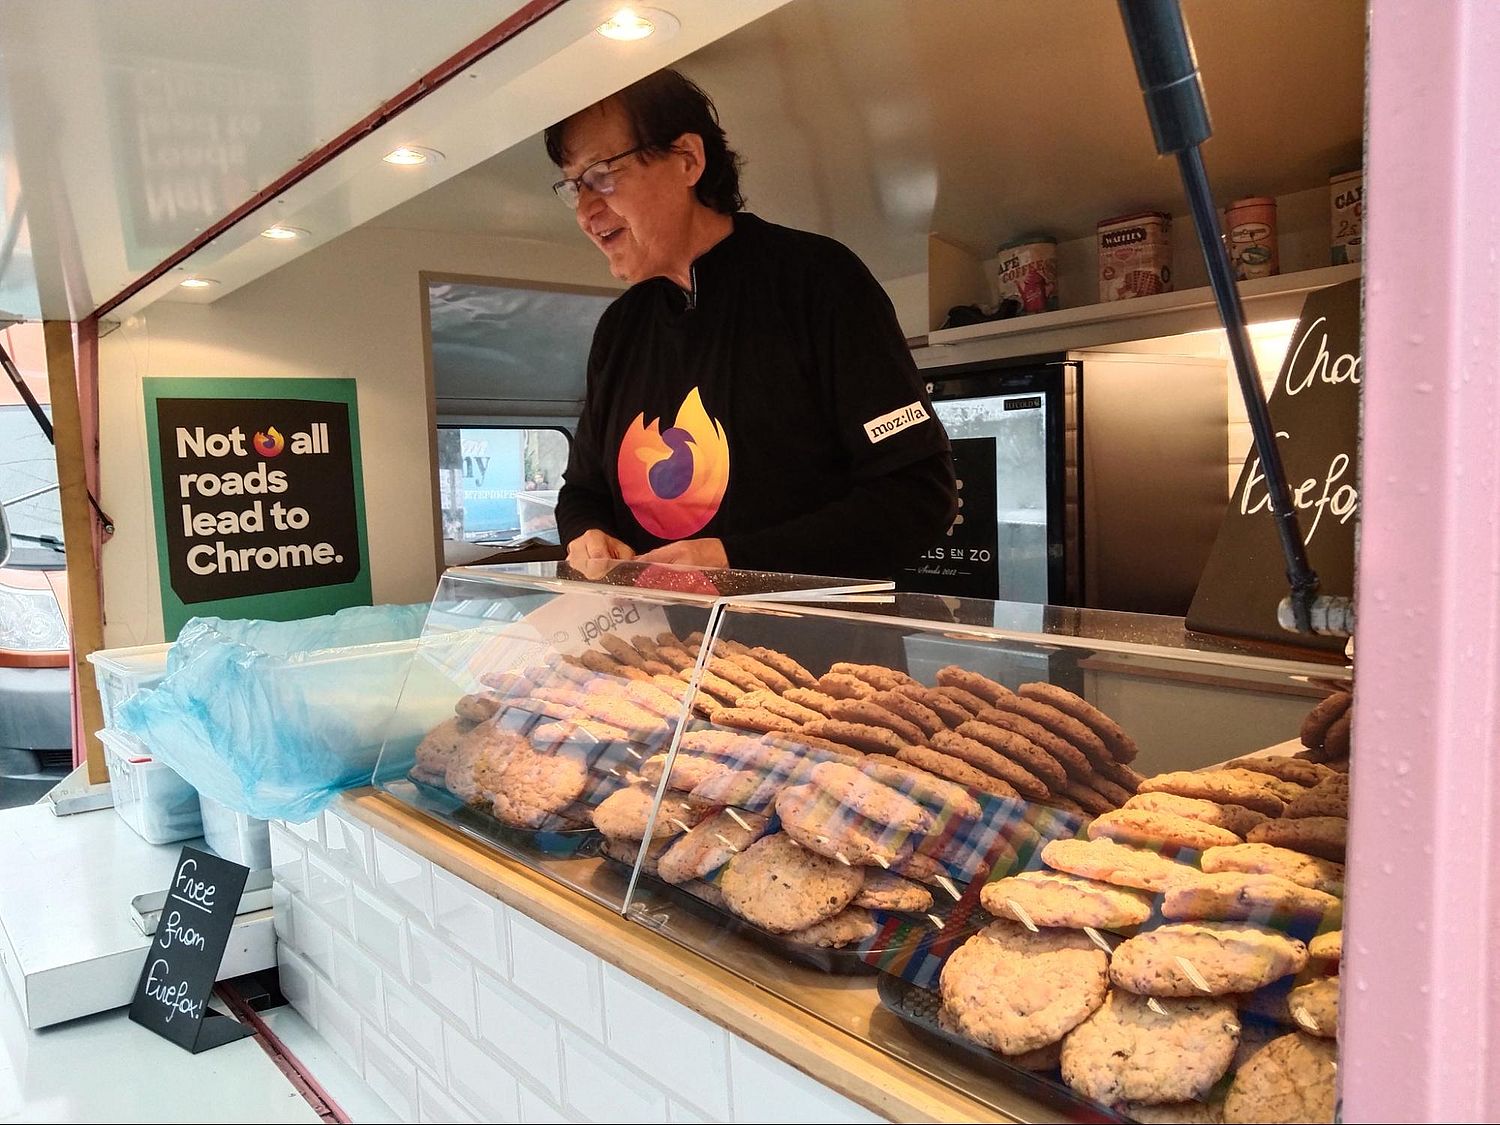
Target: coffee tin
<point>1346,197</point>
<point>1251,228</point>
<point>1027,272</point>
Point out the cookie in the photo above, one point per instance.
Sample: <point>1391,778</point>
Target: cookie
<point>1088,799</point>
<point>878,676</point>
<point>677,659</point>
<point>884,891</point>
<point>599,663</point>
<point>770,701</point>
<point>579,731</point>
<point>755,790</point>
<point>954,769</point>
<point>1315,1007</point>
<point>1315,726</point>
<point>1286,790</point>
<point>1015,990</point>
<point>713,742</point>
<point>1327,948</point>
<point>509,684</point>
<point>477,706</point>
<point>1019,749</point>
<point>813,748</point>
<point>726,668</point>
<point>1046,1058</point>
<point>710,844</point>
<point>1340,738</point>
<point>1268,1005</point>
<point>869,713</point>
<point>623,814</point>
<point>1204,959</point>
<point>671,685</point>
<point>961,698</point>
<point>627,851</point>
<point>1293,1079</point>
<point>1233,895</point>
<point>1061,724</point>
<point>1074,762</point>
<point>1153,1051</point>
<point>818,822</point>
<point>1328,798</point>
<point>943,797</point>
<point>1295,770</point>
<point>438,747</point>
<point>757,719</point>
<point>1116,795</point>
<point>841,685</point>
<point>1322,836</point>
<point>1067,804</point>
<point>1144,828</point>
<point>781,662</point>
<point>947,711</point>
<point>927,721</point>
<point>1045,898</point>
<point>1236,818</point>
<point>721,690</point>
<point>1176,1113</point>
<point>1216,785</point>
<point>848,927</point>
<point>1266,859</point>
<point>687,770</point>
<point>982,687</point>
<point>779,886</point>
<point>1122,775</point>
<point>473,770</point>
<point>872,740</point>
<point>621,649</point>
<point>1117,863</point>
<point>670,638</point>
<point>811,699</point>
<point>992,762</point>
<point>858,791</point>
<point>764,673</point>
<point>1121,746</point>
<point>534,787</point>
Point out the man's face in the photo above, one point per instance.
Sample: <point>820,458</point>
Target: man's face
<point>642,225</point>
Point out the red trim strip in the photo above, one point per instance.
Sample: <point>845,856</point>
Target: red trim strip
<point>446,70</point>
<point>286,1062</point>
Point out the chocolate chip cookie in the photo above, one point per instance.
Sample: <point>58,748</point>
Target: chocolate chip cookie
<point>1267,859</point>
<point>1144,828</point>
<point>1236,818</point>
<point>1119,864</point>
<point>711,844</point>
<point>1205,959</point>
<point>781,887</point>
<point>1046,898</point>
<point>1293,1079</point>
<point>1140,1050</point>
<point>1231,896</point>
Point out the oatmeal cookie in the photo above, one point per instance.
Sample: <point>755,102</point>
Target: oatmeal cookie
<point>927,721</point>
<point>438,747</point>
<point>1340,738</point>
<point>1117,795</point>
<point>1015,990</point>
<point>726,669</point>
<point>947,711</point>
<point>982,687</point>
<point>1074,762</point>
<point>955,769</point>
<point>812,699</point>
<point>1019,749</point>
<point>711,844</point>
<point>1315,1007</point>
<point>1295,770</point>
<point>777,705</point>
<point>1061,724</point>
<point>781,662</point>
<point>992,762</point>
<point>1122,775</point>
<point>1232,896</point>
<point>1154,1051</point>
<point>861,793</point>
<point>1322,836</point>
<point>1154,829</point>
<point>849,926</point>
<point>1087,798</point>
<point>751,789</point>
<point>1236,818</point>
<point>623,814</point>
<point>533,787</point>
<point>1293,1079</point>
<point>687,771</point>
<point>478,706</point>
<point>1045,898</point>
<point>623,850</point>
<point>1320,718</point>
<point>884,891</point>
<point>944,798</point>
<point>861,736</point>
<point>1216,785</point>
<point>1117,863</point>
<point>779,886</point>
<point>1266,859</point>
<point>757,719</point>
<point>1327,948</point>
<point>621,649</point>
<point>1205,959</point>
<point>841,685</point>
<point>869,713</point>
<point>1121,746</point>
<point>961,698</point>
<point>878,676</point>
<point>1327,798</point>
<point>817,821</point>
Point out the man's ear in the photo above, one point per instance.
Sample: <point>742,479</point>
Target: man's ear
<point>689,149</point>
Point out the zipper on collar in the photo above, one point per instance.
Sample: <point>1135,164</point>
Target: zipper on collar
<point>692,293</point>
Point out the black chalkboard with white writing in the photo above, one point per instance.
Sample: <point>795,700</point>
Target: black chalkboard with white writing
<point>171,998</point>
<point>1315,409</point>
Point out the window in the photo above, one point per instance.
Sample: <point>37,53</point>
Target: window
<point>499,483</point>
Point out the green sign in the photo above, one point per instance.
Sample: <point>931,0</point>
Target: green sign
<point>258,497</point>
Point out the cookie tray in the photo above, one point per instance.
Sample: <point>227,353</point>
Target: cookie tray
<point>918,1008</point>
<point>564,837</point>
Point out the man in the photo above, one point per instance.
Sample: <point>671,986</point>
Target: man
<point>751,401</point>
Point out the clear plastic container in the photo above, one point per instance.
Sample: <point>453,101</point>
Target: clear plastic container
<point>237,837</point>
<point>121,672</point>
<point>149,796</point>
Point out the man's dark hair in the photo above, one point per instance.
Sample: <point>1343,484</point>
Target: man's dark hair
<point>662,107</point>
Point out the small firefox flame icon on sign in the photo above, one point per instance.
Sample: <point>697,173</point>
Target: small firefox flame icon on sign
<point>270,443</point>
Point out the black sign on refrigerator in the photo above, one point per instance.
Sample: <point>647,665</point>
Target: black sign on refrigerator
<point>965,564</point>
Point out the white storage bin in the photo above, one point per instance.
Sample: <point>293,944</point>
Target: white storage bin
<point>149,796</point>
<point>121,672</point>
<point>237,837</point>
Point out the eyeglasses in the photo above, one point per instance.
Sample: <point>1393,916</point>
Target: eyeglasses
<point>598,177</point>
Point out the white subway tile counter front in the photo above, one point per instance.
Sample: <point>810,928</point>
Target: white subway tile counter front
<point>458,1007</point>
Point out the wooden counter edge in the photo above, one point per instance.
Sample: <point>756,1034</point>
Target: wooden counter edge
<point>840,1061</point>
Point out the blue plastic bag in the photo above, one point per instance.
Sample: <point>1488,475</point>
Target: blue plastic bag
<point>275,718</point>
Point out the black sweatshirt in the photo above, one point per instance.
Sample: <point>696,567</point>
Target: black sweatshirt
<point>774,406</point>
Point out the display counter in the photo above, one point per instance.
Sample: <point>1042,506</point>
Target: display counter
<point>946,859</point>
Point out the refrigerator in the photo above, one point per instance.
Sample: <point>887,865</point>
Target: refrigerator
<point>1091,478</point>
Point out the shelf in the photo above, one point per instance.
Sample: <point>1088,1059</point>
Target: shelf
<point>1165,314</point>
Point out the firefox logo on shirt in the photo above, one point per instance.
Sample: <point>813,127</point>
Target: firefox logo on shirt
<point>674,480</point>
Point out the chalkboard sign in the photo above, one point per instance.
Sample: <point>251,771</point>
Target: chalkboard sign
<point>1315,410</point>
<point>966,562</point>
<point>171,998</point>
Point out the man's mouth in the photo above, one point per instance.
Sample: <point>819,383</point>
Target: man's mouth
<point>611,237</point>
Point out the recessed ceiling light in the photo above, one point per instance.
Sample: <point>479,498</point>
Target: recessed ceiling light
<point>197,283</point>
<point>281,233</point>
<point>408,155</point>
<point>628,25</point>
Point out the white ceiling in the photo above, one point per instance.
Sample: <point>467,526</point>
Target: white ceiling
<point>128,127</point>
<point>878,121</point>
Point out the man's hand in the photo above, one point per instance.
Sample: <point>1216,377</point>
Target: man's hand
<point>596,544</point>
<point>690,552</point>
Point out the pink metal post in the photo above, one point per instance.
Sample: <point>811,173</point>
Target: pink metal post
<point>1421,1020</point>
